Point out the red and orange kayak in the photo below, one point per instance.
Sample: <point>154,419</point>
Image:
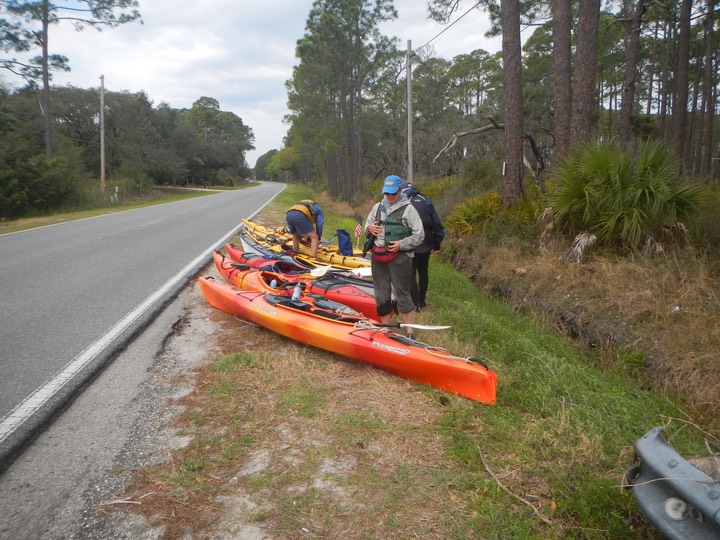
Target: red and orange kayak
<point>312,322</point>
<point>276,262</point>
<point>286,264</point>
<point>354,293</point>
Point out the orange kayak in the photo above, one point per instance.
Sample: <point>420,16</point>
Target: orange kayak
<point>354,293</point>
<point>312,322</point>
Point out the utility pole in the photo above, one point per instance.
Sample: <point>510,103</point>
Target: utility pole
<point>408,76</point>
<point>102,134</point>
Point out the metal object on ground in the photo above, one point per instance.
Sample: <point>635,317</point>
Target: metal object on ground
<point>675,496</point>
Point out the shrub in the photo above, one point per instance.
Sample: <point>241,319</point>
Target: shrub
<point>469,217</point>
<point>37,186</point>
<point>136,185</point>
<point>621,199</point>
<point>481,175</point>
<point>706,230</point>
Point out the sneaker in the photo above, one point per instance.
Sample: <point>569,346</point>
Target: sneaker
<point>411,336</point>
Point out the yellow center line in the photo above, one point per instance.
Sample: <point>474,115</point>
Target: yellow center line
<point>151,223</point>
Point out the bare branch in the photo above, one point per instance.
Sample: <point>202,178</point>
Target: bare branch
<point>533,160</point>
<point>506,490</point>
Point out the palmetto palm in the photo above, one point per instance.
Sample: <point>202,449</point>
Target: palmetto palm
<point>618,197</point>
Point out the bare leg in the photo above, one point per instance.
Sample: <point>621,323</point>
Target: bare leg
<point>314,243</point>
<point>407,318</point>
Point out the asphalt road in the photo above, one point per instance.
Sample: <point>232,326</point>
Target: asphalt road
<point>63,486</point>
<point>72,295</point>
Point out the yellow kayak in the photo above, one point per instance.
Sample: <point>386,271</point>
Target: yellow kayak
<point>282,233</point>
<point>277,241</point>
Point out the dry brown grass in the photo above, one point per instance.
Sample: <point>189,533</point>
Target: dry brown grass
<point>274,215</point>
<point>329,438</point>
<point>342,208</point>
<point>665,308</point>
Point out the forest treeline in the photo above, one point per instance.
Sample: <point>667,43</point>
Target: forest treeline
<point>144,145</point>
<point>51,156</point>
<point>589,71</point>
<point>627,71</point>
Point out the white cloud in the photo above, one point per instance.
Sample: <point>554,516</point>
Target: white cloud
<point>238,52</point>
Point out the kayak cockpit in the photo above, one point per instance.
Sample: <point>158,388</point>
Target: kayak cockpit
<point>322,307</point>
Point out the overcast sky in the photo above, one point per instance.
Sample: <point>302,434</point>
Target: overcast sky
<point>239,52</point>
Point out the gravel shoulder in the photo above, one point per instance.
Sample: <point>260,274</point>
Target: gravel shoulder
<point>65,484</point>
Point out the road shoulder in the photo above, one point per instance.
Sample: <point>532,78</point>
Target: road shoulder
<point>61,485</point>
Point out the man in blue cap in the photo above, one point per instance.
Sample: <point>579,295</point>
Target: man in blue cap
<point>397,230</point>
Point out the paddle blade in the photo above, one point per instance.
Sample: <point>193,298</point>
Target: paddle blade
<point>416,326</point>
<point>320,270</point>
<point>424,326</point>
<point>364,271</point>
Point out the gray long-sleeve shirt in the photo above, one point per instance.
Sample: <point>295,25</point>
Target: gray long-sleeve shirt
<point>409,218</point>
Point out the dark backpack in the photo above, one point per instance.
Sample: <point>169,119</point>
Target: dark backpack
<point>344,242</point>
<point>422,205</point>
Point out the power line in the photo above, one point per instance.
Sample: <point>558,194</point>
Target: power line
<point>449,26</point>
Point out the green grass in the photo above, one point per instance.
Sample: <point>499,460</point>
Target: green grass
<point>541,374</point>
<point>168,194</point>
<point>559,415</point>
<point>234,362</point>
<point>304,398</point>
<point>237,448</point>
<point>561,435</point>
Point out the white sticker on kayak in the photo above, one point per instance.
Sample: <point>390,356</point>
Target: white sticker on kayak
<point>390,348</point>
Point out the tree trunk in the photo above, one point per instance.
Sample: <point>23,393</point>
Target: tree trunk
<point>512,78</point>
<point>583,109</point>
<point>651,74</point>
<point>694,137</point>
<point>681,83</point>
<point>47,120</point>
<point>628,94</point>
<point>665,78</point>
<point>708,94</point>
<point>562,31</point>
<point>356,149</point>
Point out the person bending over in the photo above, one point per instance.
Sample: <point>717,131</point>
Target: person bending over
<point>305,218</point>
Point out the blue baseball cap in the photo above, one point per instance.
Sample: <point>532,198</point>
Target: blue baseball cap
<point>392,184</point>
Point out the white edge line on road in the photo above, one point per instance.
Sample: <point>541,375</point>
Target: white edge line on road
<point>87,218</point>
<point>37,399</point>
